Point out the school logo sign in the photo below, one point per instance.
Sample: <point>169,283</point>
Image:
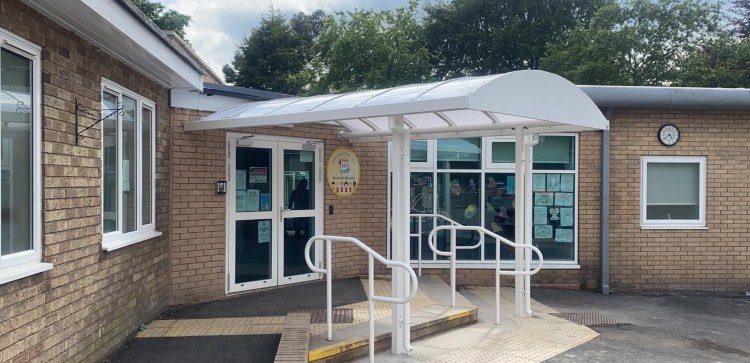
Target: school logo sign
<point>343,171</point>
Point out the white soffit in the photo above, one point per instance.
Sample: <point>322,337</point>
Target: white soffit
<point>114,30</point>
<point>536,100</point>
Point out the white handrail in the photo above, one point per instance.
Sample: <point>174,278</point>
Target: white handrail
<point>419,217</point>
<point>371,297</point>
<point>498,272</point>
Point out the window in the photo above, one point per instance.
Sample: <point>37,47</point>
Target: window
<point>20,167</point>
<point>473,182</point>
<point>128,151</point>
<point>673,192</point>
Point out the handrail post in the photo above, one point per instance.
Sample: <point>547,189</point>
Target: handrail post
<point>497,281</point>
<point>329,292</point>
<point>453,267</point>
<point>371,305</point>
<point>419,245</point>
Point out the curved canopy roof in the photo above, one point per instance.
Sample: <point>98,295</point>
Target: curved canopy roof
<point>536,100</point>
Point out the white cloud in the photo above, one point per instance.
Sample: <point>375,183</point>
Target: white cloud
<point>218,26</point>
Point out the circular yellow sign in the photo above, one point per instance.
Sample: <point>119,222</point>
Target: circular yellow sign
<point>343,171</point>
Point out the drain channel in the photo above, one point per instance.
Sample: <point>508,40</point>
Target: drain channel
<point>588,319</point>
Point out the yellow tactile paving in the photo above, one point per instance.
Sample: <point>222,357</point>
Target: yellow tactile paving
<point>532,339</point>
<point>213,327</point>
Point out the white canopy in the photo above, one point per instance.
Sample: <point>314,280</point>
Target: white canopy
<point>536,100</point>
<point>517,103</point>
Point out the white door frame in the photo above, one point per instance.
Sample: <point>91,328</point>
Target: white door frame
<point>278,213</point>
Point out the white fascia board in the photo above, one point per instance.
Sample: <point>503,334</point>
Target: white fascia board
<point>133,29</point>
<point>194,100</point>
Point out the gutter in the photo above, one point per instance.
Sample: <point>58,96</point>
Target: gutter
<point>669,97</point>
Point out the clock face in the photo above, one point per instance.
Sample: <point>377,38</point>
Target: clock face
<point>669,134</point>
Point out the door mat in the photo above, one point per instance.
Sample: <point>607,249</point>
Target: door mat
<point>588,319</point>
<point>338,316</point>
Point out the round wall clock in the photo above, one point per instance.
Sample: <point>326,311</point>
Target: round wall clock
<point>668,134</point>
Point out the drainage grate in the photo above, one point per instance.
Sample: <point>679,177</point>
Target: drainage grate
<point>339,316</point>
<point>588,319</point>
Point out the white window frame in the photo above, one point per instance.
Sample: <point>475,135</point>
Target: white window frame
<point>26,263</point>
<point>116,239</point>
<point>699,223</point>
<point>487,167</point>
<point>430,163</point>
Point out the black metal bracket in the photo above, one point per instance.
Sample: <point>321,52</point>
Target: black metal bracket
<point>93,115</point>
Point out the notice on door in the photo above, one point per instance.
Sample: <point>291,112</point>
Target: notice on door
<point>258,175</point>
<point>264,231</point>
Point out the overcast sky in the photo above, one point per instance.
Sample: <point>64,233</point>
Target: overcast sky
<point>218,26</point>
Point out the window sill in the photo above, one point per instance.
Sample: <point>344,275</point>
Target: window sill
<point>672,227</point>
<point>19,272</point>
<point>129,240</point>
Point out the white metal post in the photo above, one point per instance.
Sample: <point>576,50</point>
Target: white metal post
<point>329,292</point>
<point>520,204</point>
<point>400,158</point>
<point>528,167</point>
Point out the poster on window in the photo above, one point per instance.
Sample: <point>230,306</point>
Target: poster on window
<point>543,231</point>
<point>539,182</point>
<point>564,199</point>
<point>553,182</point>
<point>563,235</point>
<point>258,175</point>
<point>544,198</point>
<point>241,180</point>
<point>253,200</point>
<point>264,231</point>
<point>540,215</point>
<point>241,200</point>
<point>566,217</point>
<point>567,182</point>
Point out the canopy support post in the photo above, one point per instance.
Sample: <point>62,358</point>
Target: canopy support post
<point>400,159</point>
<point>520,204</point>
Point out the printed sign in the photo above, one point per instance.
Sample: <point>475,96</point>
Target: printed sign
<point>258,175</point>
<point>342,172</point>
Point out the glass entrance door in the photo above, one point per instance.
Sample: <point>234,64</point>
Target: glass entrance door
<point>274,206</point>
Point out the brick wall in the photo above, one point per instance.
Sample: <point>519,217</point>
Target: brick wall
<point>199,214</point>
<point>714,258</point>
<point>91,300</point>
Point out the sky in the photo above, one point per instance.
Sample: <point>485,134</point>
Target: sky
<point>218,26</point>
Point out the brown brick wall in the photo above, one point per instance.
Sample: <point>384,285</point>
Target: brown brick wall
<point>199,214</point>
<point>91,300</point>
<point>714,258</point>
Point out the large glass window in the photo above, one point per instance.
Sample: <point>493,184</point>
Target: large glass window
<point>128,150</point>
<point>470,194</point>
<point>665,203</point>
<point>20,227</point>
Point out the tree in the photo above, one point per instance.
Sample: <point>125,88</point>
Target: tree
<point>270,58</point>
<point>637,42</point>
<point>723,62</point>
<point>367,49</point>
<point>741,20</point>
<point>165,20</point>
<point>469,37</point>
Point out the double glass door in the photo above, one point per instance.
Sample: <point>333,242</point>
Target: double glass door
<point>274,206</point>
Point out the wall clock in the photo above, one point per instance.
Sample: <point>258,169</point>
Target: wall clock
<point>668,134</point>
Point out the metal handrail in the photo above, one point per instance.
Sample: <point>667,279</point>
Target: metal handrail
<point>371,297</point>
<point>419,217</point>
<point>498,272</point>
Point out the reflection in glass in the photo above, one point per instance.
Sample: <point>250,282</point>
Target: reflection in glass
<point>111,174</point>
<point>146,124</point>
<point>296,233</point>
<point>253,250</point>
<point>418,151</point>
<point>299,179</point>
<point>668,200</point>
<point>253,182</point>
<point>458,198</point>
<point>503,152</point>
<point>459,153</point>
<point>555,153</point>
<point>500,212</point>
<point>129,162</point>
<point>16,175</point>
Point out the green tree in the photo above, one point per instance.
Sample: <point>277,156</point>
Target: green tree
<point>470,37</point>
<point>741,20</point>
<point>367,49</point>
<point>271,58</point>
<point>722,62</point>
<point>637,42</point>
<point>164,19</point>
